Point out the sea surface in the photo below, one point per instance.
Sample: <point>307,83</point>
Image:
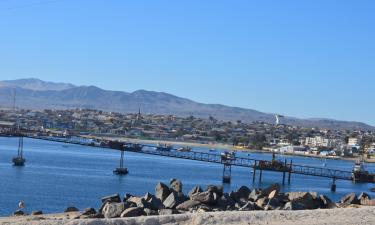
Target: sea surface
<point>59,175</point>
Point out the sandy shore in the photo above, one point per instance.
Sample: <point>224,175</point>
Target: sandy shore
<point>349,216</point>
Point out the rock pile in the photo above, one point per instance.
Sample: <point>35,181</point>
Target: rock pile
<point>169,199</point>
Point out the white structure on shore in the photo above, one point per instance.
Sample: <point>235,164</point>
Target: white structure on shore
<point>278,119</point>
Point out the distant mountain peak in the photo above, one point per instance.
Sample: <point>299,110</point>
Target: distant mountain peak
<point>36,84</point>
<point>37,94</point>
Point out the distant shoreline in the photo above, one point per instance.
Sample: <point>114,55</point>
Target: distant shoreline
<point>230,147</point>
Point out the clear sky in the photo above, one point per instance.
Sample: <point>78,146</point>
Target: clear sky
<point>310,58</point>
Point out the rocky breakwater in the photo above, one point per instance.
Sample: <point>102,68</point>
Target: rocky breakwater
<point>169,199</point>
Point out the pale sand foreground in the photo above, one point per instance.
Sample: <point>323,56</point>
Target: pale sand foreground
<point>351,216</point>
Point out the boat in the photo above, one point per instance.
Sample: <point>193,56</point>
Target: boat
<point>121,171</point>
<point>164,147</point>
<point>19,160</point>
<point>360,174</point>
<point>184,149</point>
<point>228,155</point>
<point>212,150</point>
<point>133,147</point>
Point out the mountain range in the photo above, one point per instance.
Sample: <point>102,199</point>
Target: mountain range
<point>37,94</point>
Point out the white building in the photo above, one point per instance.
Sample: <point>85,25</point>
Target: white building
<point>319,141</point>
<point>353,142</point>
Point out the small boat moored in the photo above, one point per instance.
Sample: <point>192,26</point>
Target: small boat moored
<point>184,149</point>
<point>360,174</point>
<point>164,147</point>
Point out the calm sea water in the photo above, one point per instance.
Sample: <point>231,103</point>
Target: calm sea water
<point>56,177</point>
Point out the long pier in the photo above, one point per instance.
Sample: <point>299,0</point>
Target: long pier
<point>286,168</point>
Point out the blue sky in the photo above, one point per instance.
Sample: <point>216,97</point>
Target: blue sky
<point>306,58</point>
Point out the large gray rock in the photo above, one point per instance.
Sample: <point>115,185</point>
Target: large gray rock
<point>195,190</point>
<point>162,191</point>
<point>303,198</point>
<point>139,202</point>
<point>363,197</point>
<point>206,197</point>
<point>274,204</point>
<point>173,200</point>
<point>133,212</point>
<point>150,212</point>
<point>241,194</point>
<point>113,210</point>
<point>350,199</point>
<point>154,202</point>
<point>226,202</point>
<point>187,205</point>
<point>326,203</point>
<point>215,189</point>
<point>176,185</point>
<point>111,198</point>
<point>274,187</point>
<point>261,203</point>
<point>255,195</point>
<point>294,206</point>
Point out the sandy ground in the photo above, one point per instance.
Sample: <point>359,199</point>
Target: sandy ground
<point>350,216</point>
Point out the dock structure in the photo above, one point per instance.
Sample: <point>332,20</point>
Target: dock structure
<point>285,168</point>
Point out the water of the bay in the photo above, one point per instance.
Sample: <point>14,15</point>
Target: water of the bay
<point>60,175</point>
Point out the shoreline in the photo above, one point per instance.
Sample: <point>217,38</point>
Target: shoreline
<point>231,148</point>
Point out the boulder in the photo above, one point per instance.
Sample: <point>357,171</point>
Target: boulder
<point>89,211</point>
<point>215,189</point>
<point>294,206</point>
<point>261,203</point>
<point>326,203</point>
<point>350,199</point>
<point>204,208</point>
<point>139,202</point>
<point>37,213</point>
<point>176,185</point>
<point>18,213</point>
<point>274,204</point>
<point>150,212</point>
<point>133,212</point>
<point>113,210</point>
<point>195,190</point>
<point>187,205</point>
<point>302,198</point>
<point>112,198</point>
<point>162,191</point>
<point>206,197</point>
<point>274,187</point>
<point>242,193</point>
<point>71,209</point>
<point>173,200</point>
<point>363,197</point>
<point>154,202</point>
<point>127,196</point>
<point>225,202</point>
<point>255,195</point>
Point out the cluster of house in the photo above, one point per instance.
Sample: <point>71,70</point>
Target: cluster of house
<point>255,135</point>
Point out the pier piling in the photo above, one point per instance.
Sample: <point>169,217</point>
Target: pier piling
<point>290,171</point>
<point>227,172</point>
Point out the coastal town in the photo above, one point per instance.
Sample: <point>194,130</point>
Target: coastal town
<point>260,136</point>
